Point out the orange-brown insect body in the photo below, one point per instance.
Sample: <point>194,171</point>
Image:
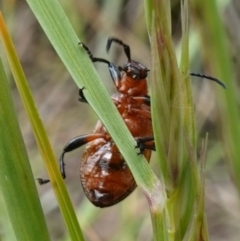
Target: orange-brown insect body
<point>105,176</point>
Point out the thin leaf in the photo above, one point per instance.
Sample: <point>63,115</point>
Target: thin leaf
<point>40,135</point>
<point>16,178</point>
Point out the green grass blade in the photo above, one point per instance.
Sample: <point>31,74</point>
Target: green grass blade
<point>40,135</point>
<point>173,117</point>
<point>16,178</point>
<point>221,62</point>
<point>160,225</point>
<point>189,187</point>
<point>166,114</point>
<point>165,87</point>
<point>199,229</point>
<point>188,116</point>
<point>214,45</point>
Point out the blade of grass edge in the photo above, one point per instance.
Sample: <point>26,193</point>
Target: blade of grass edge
<point>199,229</point>
<point>188,186</point>
<point>166,120</point>
<point>159,219</point>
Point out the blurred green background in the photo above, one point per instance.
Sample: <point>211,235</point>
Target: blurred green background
<point>64,117</point>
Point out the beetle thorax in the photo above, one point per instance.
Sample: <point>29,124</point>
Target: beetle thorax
<point>132,87</point>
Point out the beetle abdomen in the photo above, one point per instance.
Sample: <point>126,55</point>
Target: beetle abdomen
<point>105,176</point>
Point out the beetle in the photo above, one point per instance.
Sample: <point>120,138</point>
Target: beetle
<point>105,176</point>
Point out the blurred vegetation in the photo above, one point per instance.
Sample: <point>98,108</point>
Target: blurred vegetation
<point>64,117</point>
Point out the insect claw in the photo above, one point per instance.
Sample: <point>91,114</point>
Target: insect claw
<point>42,181</point>
<point>81,96</point>
<point>140,146</point>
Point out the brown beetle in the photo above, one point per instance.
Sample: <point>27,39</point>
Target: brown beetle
<point>104,174</point>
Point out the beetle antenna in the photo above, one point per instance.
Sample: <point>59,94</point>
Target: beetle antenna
<point>94,59</point>
<point>210,78</point>
<point>125,47</point>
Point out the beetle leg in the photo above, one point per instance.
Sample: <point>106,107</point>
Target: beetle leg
<point>144,113</point>
<point>115,72</point>
<point>81,96</point>
<point>141,144</point>
<point>42,181</point>
<point>94,59</point>
<point>145,99</point>
<point>72,145</point>
<point>120,42</point>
